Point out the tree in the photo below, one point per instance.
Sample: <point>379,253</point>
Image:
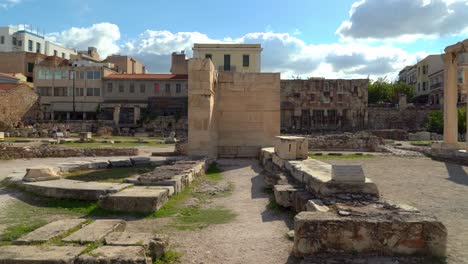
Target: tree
<point>382,91</point>
<point>435,122</point>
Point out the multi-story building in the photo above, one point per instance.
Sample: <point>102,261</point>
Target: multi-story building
<point>179,63</point>
<point>21,39</point>
<point>320,104</point>
<point>430,64</point>
<point>126,96</point>
<point>231,57</point>
<point>126,64</point>
<point>70,90</point>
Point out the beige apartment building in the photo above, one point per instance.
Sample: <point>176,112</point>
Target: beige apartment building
<point>126,64</point>
<point>231,57</point>
<point>430,64</point>
<point>126,96</point>
<point>54,82</point>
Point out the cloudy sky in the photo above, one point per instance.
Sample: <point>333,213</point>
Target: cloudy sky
<point>306,38</point>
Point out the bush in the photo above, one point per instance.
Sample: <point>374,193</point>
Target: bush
<point>435,123</point>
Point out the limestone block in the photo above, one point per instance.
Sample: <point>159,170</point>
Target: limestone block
<point>278,161</point>
<point>301,199</point>
<point>42,173</point>
<point>136,199</point>
<point>316,205</point>
<point>291,148</point>
<point>96,231</point>
<point>51,230</point>
<point>39,254</point>
<point>2,136</point>
<point>348,173</point>
<point>284,194</point>
<point>85,136</point>
<point>155,244</point>
<point>114,254</point>
<point>98,164</point>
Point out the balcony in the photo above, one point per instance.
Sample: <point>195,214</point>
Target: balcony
<point>437,85</point>
<point>227,68</point>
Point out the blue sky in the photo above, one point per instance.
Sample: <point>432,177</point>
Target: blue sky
<point>333,38</point>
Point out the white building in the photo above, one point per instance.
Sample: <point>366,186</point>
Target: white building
<point>23,39</point>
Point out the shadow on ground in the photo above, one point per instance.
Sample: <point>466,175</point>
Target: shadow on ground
<point>456,173</point>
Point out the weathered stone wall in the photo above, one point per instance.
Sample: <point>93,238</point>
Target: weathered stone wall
<point>393,118</point>
<point>231,114</point>
<point>163,125</point>
<point>346,141</point>
<point>319,104</point>
<point>17,105</point>
<point>11,152</point>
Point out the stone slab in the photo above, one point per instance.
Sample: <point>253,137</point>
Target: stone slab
<point>136,161</point>
<point>120,163</point>
<point>155,244</point>
<point>51,230</point>
<point>284,194</point>
<point>136,199</point>
<point>39,254</point>
<point>348,173</point>
<point>315,205</point>
<point>291,147</point>
<point>40,173</point>
<point>114,254</point>
<point>71,189</point>
<point>386,234</point>
<point>96,231</point>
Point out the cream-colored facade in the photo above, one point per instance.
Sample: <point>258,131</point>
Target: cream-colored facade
<point>424,68</point>
<point>231,57</point>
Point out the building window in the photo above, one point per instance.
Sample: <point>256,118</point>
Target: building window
<point>2,40</point>
<point>209,56</point>
<point>142,88</point>
<point>60,91</point>
<point>424,86</point>
<point>20,43</point>
<point>109,87</point>
<point>312,97</point>
<point>79,91</point>
<point>30,45</point>
<point>63,55</point>
<point>55,53</point>
<point>121,88</point>
<point>89,75</point>
<point>44,91</point>
<point>38,47</point>
<point>14,41</point>
<point>178,88</point>
<point>89,91</point>
<point>97,92</point>
<point>168,88</point>
<point>340,97</point>
<point>97,75</point>
<point>81,75</point>
<point>132,88</point>
<point>30,67</point>
<point>245,60</point>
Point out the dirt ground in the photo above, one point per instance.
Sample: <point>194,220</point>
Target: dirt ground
<point>431,186</point>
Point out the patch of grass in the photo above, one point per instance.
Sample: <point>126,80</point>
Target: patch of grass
<point>169,257</point>
<point>421,143</point>
<point>345,156</point>
<point>214,173</point>
<point>117,175</point>
<point>274,206</point>
<point>57,240</point>
<point>175,203</point>
<point>16,231</point>
<point>197,218</point>
<point>92,246</point>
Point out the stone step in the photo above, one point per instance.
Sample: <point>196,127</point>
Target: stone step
<point>51,230</point>
<point>70,189</point>
<point>114,254</point>
<point>39,254</point>
<point>155,244</point>
<point>96,231</point>
<point>136,199</point>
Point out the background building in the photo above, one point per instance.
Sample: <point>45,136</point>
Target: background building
<point>126,64</point>
<point>22,39</point>
<point>319,104</point>
<point>231,57</point>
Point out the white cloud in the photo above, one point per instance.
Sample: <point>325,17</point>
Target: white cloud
<point>103,36</point>
<point>5,4</point>
<point>405,20</point>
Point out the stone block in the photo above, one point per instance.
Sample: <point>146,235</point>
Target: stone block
<point>2,136</point>
<point>316,205</point>
<point>155,244</point>
<point>43,173</point>
<point>291,148</point>
<point>136,199</point>
<point>136,161</point>
<point>98,164</point>
<point>301,199</point>
<point>51,230</point>
<point>120,163</point>
<point>39,254</point>
<point>114,254</point>
<point>387,234</point>
<point>284,195</point>
<point>95,231</point>
<point>85,136</point>
<point>348,173</point>
<point>278,161</point>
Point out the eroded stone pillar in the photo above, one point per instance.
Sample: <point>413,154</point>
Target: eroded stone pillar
<point>136,114</point>
<point>116,115</point>
<point>450,98</point>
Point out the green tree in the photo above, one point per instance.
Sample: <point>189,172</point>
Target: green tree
<point>435,122</point>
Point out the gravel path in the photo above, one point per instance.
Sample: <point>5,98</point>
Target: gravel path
<point>431,186</point>
<point>256,236</point>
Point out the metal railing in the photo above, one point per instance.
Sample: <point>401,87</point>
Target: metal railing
<point>437,85</point>
<point>231,68</point>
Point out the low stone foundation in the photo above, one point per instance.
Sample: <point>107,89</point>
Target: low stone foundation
<point>361,141</point>
<point>11,152</point>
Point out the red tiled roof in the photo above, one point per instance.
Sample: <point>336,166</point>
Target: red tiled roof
<point>148,76</point>
<point>9,86</point>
